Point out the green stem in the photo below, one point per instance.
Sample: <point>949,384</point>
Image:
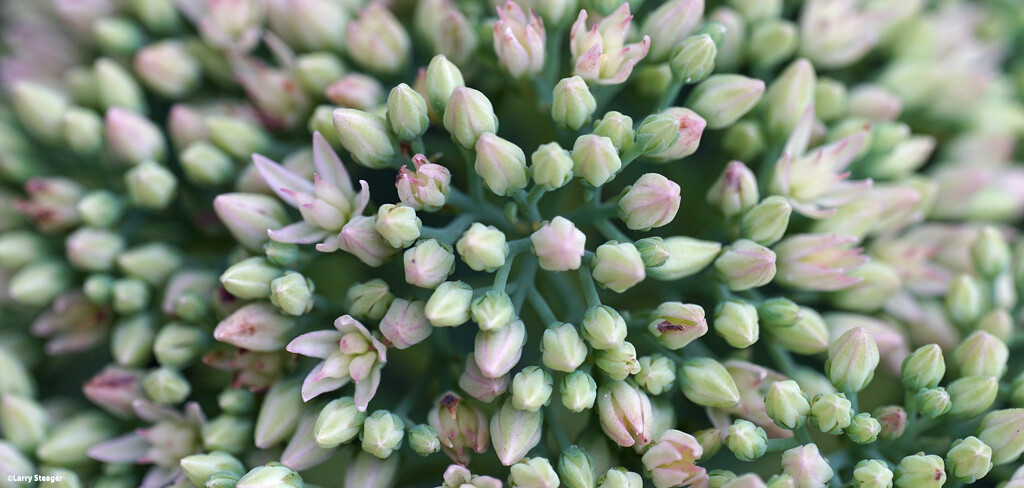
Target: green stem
<point>775,445</point>
<point>481,208</point>
<point>852,397</point>
<point>476,184</point>
<point>669,96</point>
<point>556,429</point>
<point>417,146</point>
<point>610,231</point>
<point>782,359</point>
<point>450,232</point>
<point>589,289</point>
<point>524,283</point>
<point>540,305</point>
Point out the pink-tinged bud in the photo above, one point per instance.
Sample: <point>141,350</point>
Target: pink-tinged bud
<point>458,477</point>
<point>892,346</point>
<point>671,458</point>
<point>600,54</point>
<point>92,249</point>
<point>806,465</point>
<point>428,264</point>
<point>874,103</point>
<point>478,386</point>
<point>256,327</point>
<point>652,201</point>
<point>817,261</point>
<point>669,24</point>
<point>519,40</point>
<point>514,432</point>
<point>313,25</point>
<point>746,264</point>
<point>837,34</point>
<point>114,389</point>
<point>677,324</point>
<point>360,238</point>
<point>167,68</point>
<point>185,125</point>
<point>248,217</point>
<point>618,267</point>
<point>735,191</point>
<point>500,163</point>
<point>356,91</point>
<point>1002,431</point>
<point>427,187</point>
<point>498,351</point>
<point>691,128</point>
<point>625,413</point>
<point>559,245</point>
<point>377,41</point>
<point>594,159</point>
<point>132,138</point>
<point>460,427</point>
<point>405,323</point>
<point>51,203</point>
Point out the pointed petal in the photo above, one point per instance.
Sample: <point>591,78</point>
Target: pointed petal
<point>318,344</point>
<point>298,233</point>
<point>158,477</point>
<point>152,413</point>
<point>796,144</point>
<point>283,54</point>
<point>125,449</point>
<point>283,182</point>
<point>366,389</point>
<point>363,198</point>
<point>329,166</point>
<point>312,387</point>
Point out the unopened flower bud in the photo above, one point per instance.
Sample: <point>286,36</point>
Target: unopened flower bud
<point>273,474</point>
<point>625,413</point>
<point>551,166</point>
<point>257,327</point>
<point>924,368</point>
<point>514,432</point>
<point>786,404</point>
<point>671,460</point>
<point>130,295</point>
<point>423,440</point>
<point>93,249</point>
<point>237,136</point>
<point>872,473</point>
<point>485,389</point>
<point>39,108</point>
<point>151,185</point>
<point>669,24</point>
<point>206,165</point>
<point>71,442</point>
<point>746,440</point>
<point>405,323</point>
<point>652,201</point>
<point>39,283</point>
<point>767,221</point>
<point>618,362</point>
<point>808,335</point>
<point>82,130</point>
<point>132,138</point>
<point>398,224</point>
<point>965,300</point>
<point>618,267</point>
<point>689,128</point>
<point>316,71</point>
<point>443,77</point>
<point>969,459</point>
<point>533,473</point>
<point>657,373</point>
<point>493,310</point>
<point>377,41</point>
<point>519,40</point>
<point>356,91</point>
<point>745,265</point>
<point>497,352</point>
<point>167,68</point>
<point>250,279</point>
<point>831,413</point>
<point>573,103</point>
<point>562,349</point>
<point>117,87</point>
<point>152,263</point>
<point>863,429</point>
<point>676,324</point>
<point>687,256</point>
<point>1001,431</point>
<point>292,293</point>
<point>806,466</point>
<point>734,192</point>
<point>482,247</point>
<point>736,322</point>
<point>425,189</point>
<point>100,208</point>
<point>369,299</point>
<point>468,116</point>
<point>166,386</point>
<point>981,354</point>
<point>595,159</point>
<point>382,433</point>
<point>933,402</point>
<point>428,263</point>
<point>603,327</point>
<point>199,467</point>
<point>366,137</point>
<point>227,433</point>
<point>407,113</point>
<point>23,420</point>
<point>723,99</point>
<point>339,422</point>
<point>893,419</point>
<point>852,359</point>
<point>578,391</point>
<point>576,468</point>
<point>972,395</point>
<point>501,164</point>
<point>617,127</point>
<point>248,217</point>
<point>449,305</point>
<point>706,382</point>
<point>990,252</point>
<point>744,140</point>
<point>531,389</point>
<point>920,471</point>
<point>558,245</point>
<point>693,59</point>
<point>132,340</point>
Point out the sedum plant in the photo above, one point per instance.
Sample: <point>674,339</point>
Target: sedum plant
<point>464,243</point>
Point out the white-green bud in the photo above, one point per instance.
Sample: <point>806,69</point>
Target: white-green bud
<point>493,310</point>
<point>151,186</point>
<point>166,386</point>
<point>686,257</point>
<point>407,113</point>
<point>449,305</point>
<point>618,362</point>
<point>369,299</point>
<point>831,413</point>
<point>366,137</point>
<point>199,467</point>
<point>852,359</point>
<point>482,247</point>
<point>920,471</point>
<point>273,475</point>
<point>618,128</point>
<point>746,440</point>
<point>787,405</point>
<point>657,373</point>
<point>423,440</point>
<point>736,321</point>
<point>292,293</point>
<point>603,327</point>
<point>872,473</point>
<point>501,164</point>
<point>723,99</point>
<point>339,422</point>
<point>205,164</point>
<point>618,266</point>
<point>398,224</point>
<point>969,459</point>
<point>533,473</point>
<point>531,389</point>
<point>562,348</point>
<point>82,130</point>
<point>442,78</point>
<point>706,382</point>
<point>130,295</point>
<point>981,354</point>
<point>579,391</point>
<point>382,433</point>
<point>250,279</point>
<point>863,429</point>
<point>573,103</point>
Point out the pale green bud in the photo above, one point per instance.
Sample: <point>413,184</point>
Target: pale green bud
<point>98,288</point>
<point>91,249</point>
<point>706,382</point>
<point>981,354</point>
<point>382,433</point>
<point>68,444</point>
<point>493,310</point>
<point>152,263</point>
<point>758,10</point>
<point>117,87</point>
<point>782,481</point>
<point>734,192</point>
<point>736,322</point>
<point>998,323</point>
<point>720,478</point>
<point>501,164</point>
<point>428,263</point>
<point>117,35</point>
<point>377,41</point>
<point>806,466</point>
<point>449,305</point>
<point>657,133</point>
<point>443,77</point>
<point>292,293</point>
<point>1001,431</point>
<point>617,267</point>
<point>830,99</point>
<point>23,421</point>
<point>369,471</point>
<point>551,166</point>
<point>572,104</point>
<point>615,126</point>
<point>531,389</point>
<point>514,432</point>
<point>990,252</point>
<point>166,386</point>
<point>653,251</point>
<point>767,221</point>
<point>19,247</point>
<point>150,185</point>
<point>746,440</point>
<point>652,201</point>
<point>533,473</point>
<point>82,130</point>
<point>39,283</point>
<point>965,300</point>
<point>878,282</point>
<point>229,433</point>
<point>369,299</point>
<point>745,264</point>
<point>723,99</point>
<point>786,404</point>
<point>872,473</point>
<point>788,97</point>
<point>249,216</point>
<point>595,159</point>
<point>772,42</point>
<point>924,368</point>
<point>579,391</point>
<point>603,327</point>
<point>693,59</point>
<point>852,359</point>
<point>366,137</point>
<point>482,247</point>
<point>205,164</point>
<point>710,441</point>
<point>686,257</point>
<point>618,362</point>
<point>423,440</point>
<point>831,413</point>
<point>279,414</point>
<point>282,254</point>
<point>316,71</point>
<point>132,340</point>
<point>407,113</point>
<point>576,468</point>
<point>920,471</point>
<point>236,401</point>
<point>562,348</point>
<point>972,395</point>
<point>933,402</point>
<point>863,429</point>
<point>100,208</point>
<point>468,116</point>
<point>238,137</point>
<point>676,324</point>
<point>808,335</point>
<point>199,467</point>
<point>40,109</point>
<point>657,373</point>
<point>669,24</point>
<point>652,80</point>
<point>250,279</point>
<point>273,475</point>
<point>130,295</point>
<point>744,140</point>
<point>167,68</point>
<point>969,459</point>
<point>339,422</point>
